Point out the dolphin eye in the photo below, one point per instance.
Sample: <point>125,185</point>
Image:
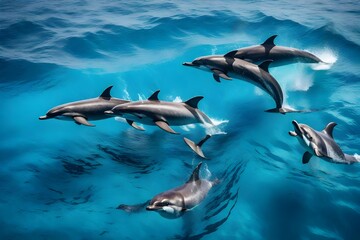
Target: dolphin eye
<point>307,135</point>
<point>163,204</point>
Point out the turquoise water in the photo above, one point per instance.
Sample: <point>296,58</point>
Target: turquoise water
<point>64,181</point>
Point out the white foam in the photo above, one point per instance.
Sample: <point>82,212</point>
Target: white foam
<point>214,50</point>
<point>188,127</point>
<point>126,94</point>
<point>301,81</point>
<point>216,128</point>
<point>141,97</point>
<point>357,157</point>
<point>177,99</point>
<point>206,172</point>
<point>328,56</point>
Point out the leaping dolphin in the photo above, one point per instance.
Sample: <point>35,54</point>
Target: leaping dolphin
<point>279,54</point>
<point>160,113</point>
<point>175,202</point>
<point>82,111</point>
<point>226,67</point>
<point>320,144</point>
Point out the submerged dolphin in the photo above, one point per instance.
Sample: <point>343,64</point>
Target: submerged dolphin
<point>82,111</point>
<point>279,54</point>
<point>175,202</point>
<point>163,114</point>
<point>258,75</point>
<point>321,144</point>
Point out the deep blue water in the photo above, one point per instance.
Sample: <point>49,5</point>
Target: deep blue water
<point>63,181</point>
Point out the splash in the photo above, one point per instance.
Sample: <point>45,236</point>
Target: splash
<point>206,172</point>
<point>126,93</point>
<point>215,129</point>
<point>177,99</point>
<point>142,97</point>
<point>328,56</point>
<point>357,157</point>
<point>214,50</point>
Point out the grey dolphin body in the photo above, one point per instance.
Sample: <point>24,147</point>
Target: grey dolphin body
<point>279,54</point>
<point>320,144</point>
<point>175,202</point>
<point>163,114</point>
<point>82,111</point>
<point>258,75</point>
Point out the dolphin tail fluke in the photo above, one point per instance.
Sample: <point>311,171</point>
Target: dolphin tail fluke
<point>197,147</point>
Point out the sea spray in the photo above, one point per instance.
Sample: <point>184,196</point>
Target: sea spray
<point>328,56</point>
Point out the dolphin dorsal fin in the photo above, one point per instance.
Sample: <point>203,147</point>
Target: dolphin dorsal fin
<point>106,93</point>
<point>265,65</point>
<point>231,54</point>
<point>329,129</point>
<point>193,102</point>
<point>154,96</point>
<point>270,41</point>
<point>195,175</point>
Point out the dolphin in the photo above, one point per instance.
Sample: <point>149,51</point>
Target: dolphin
<point>175,202</point>
<point>82,111</point>
<point>258,75</point>
<point>320,144</point>
<point>163,114</point>
<point>279,54</point>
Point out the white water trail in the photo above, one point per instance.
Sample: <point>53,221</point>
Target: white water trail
<point>328,56</point>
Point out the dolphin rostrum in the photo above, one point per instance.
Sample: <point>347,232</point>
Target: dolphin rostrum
<point>320,144</point>
<point>160,113</point>
<point>175,202</point>
<point>89,109</point>
<point>226,67</point>
<point>279,54</point>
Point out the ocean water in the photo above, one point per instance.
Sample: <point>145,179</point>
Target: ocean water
<point>64,181</point>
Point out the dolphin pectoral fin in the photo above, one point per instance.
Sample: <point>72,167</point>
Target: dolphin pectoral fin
<point>306,157</point>
<point>134,125</point>
<point>81,120</point>
<point>216,77</point>
<point>165,126</point>
<point>221,74</point>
